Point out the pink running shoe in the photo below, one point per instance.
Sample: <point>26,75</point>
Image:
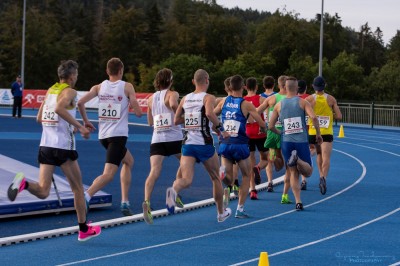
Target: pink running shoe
<point>93,231</point>
<point>16,186</point>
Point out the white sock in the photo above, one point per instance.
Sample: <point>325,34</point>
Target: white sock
<point>240,208</point>
<point>87,196</point>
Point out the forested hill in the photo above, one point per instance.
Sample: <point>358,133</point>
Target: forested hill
<point>185,35</point>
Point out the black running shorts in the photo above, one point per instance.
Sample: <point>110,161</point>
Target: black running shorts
<point>166,148</point>
<point>312,139</point>
<point>116,149</point>
<point>54,156</point>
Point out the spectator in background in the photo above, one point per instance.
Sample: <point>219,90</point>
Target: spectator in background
<point>16,90</point>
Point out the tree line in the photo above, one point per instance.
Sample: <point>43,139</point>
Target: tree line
<point>185,35</point>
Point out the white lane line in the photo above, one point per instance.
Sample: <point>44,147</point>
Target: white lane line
<point>343,232</point>
<point>364,171</point>
<point>367,147</point>
<point>373,141</point>
<point>325,238</point>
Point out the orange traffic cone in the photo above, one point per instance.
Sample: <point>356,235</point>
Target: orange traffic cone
<point>263,259</point>
<point>341,132</point>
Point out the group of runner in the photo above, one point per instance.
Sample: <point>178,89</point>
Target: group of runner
<point>185,129</point>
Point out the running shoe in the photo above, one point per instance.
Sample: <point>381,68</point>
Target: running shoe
<point>235,190</point>
<point>125,209</point>
<point>299,206</point>
<point>270,188</point>
<point>293,159</point>
<point>93,231</point>
<point>241,214</point>
<point>16,186</point>
<point>178,202</point>
<point>222,217</point>
<point>170,200</point>
<point>303,185</point>
<point>253,195</point>
<point>322,185</point>
<point>226,197</point>
<point>285,199</point>
<point>148,218</point>
<point>257,176</point>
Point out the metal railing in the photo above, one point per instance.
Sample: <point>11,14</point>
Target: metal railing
<point>370,114</point>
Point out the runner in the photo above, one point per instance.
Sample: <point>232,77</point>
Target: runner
<point>115,97</point>
<point>256,138</point>
<point>273,141</point>
<point>296,152</point>
<point>167,137</point>
<point>234,114</point>
<point>326,109</point>
<point>302,93</point>
<point>195,111</point>
<point>57,147</point>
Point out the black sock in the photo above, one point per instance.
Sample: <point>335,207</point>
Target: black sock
<point>83,227</point>
<point>236,182</point>
<point>26,185</point>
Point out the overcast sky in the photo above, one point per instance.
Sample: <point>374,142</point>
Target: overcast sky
<point>354,13</point>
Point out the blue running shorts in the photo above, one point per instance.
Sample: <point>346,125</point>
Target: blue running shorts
<point>302,148</point>
<point>234,152</point>
<point>201,152</point>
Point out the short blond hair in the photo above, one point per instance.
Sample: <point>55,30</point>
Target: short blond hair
<point>282,80</point>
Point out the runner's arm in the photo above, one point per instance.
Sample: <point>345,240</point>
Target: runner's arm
<point>255,115</point>
<point>337,114</point>
<point>274,118</point>
<point>131,94</point>
<point>81,105</point>
<point>150,121</point>
<point>65,101</point>
<point>179,119</point>
<point>39,114</point>
<point>311,115</point>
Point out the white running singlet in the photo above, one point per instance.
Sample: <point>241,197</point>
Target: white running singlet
<point>164,127</point>
<point>57,133</point>
<point>113,110</point>
<point>197,125</point>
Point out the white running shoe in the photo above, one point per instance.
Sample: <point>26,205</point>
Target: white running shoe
<point>170,200</point>
<point>222,217</point>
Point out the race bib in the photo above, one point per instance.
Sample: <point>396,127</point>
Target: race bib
<point>278,122</point>
<point>266,119</point>
<point>162,122</point>
<point>293,125</point>
<point>232,127</point>
<point>109,112</point>
<point>49,116</point>
<point>192,121</point>
<point>323,121</point>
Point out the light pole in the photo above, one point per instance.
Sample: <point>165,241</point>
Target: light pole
<point>321,39</point>
<point>23,45</point>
